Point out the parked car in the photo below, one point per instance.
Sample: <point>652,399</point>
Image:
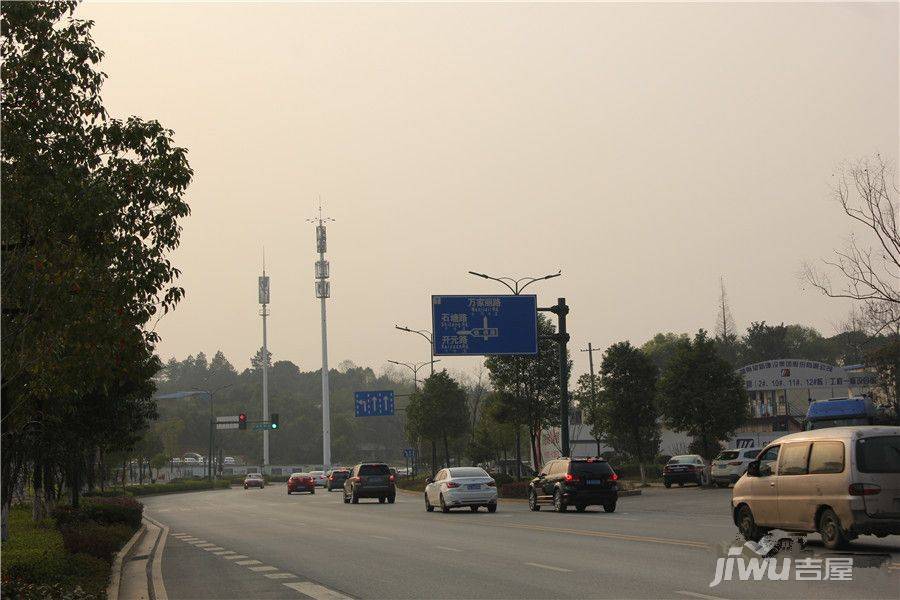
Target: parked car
<point>335,478</point>
<point>729,465</point>
<point>229,460</point>
<point>841,482</point>
<point>370,480</point>
<point>686,468</point>
<point>301,482</point>
<point>318,477</point>
<point>580,482</point>
<point>190,460</point>
<point>254,480</point>
<point>460,487</point>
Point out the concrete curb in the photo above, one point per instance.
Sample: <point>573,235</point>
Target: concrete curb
<point>157,586</point>
<point>112,590</point>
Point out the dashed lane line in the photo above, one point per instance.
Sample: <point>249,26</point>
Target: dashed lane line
<point>244,563</point>
<point>214,548</point>
<point>316,591</point>
<point>224,552</point>
<point>263,568</point>
<point>380,537</point>
<point>448,549</point>
<point>234,557</point>
<point>281,576</point>
<point>549,567</point>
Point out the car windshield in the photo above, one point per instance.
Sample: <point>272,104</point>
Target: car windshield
<point>468,472</point>
<point>374,470</point>
<point>727,455</point>
<point>585,468</point>
<point>879,455</point>
<point>751,454</point>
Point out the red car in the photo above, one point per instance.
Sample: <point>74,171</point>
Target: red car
<point>301,482</point>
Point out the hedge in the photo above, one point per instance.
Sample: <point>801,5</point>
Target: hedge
<point>180,486</point>
<point>633,471</point>
<point>94,539</point>
<point>111,493</point>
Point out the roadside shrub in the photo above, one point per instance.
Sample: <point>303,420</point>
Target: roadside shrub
<point>123,510</point>
<point>94,539</point>
<point>111,493</point>
<point>515,489</point>
<point>413,484</point>
<point>181,486</point>
<point>633,471</point>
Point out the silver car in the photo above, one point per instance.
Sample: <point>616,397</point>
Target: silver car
<point>461,486</point>
<point>729,465</point>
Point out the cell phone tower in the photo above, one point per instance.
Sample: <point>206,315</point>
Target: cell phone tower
<point>264,312</point>
<point>323,292</point>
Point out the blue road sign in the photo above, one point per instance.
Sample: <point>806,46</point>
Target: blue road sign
<point>484,325</point>
<point>409,452</point>
<point>374,404</point>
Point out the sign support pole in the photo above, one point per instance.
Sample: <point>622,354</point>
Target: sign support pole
<point>561,309</point>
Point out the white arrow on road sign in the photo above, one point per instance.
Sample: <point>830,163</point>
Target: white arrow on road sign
<point>483,332</point>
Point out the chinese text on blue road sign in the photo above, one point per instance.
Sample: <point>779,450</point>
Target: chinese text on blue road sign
<point>409,452</point>
<point>374,404</point>
<point>484,325</point>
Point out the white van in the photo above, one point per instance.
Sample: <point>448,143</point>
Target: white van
<point>841,482</point>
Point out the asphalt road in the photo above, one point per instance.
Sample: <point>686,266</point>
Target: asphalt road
<point>663,544</point>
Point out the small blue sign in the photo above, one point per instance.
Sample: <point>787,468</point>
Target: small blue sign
<point>374,404</point>
<point>409,452</point>
<point>484,325</point>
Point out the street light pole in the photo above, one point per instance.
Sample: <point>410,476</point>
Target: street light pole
<point>516,287</point>
<point>414,367</point>
<point>428,337</point>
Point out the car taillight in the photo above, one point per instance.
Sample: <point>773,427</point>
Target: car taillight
<point>864,489</point>
<point>735,463</point>
<point>331,478</point>
<point>572,478</point>
<point>392,478</point>
<point>491,483</point>
<point>452,484</point>
<point>613,477</point>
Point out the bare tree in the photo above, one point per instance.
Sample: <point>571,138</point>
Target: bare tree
<point>725,328</point>
<point>870,271</point>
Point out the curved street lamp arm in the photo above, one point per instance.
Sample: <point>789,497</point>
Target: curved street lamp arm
<point>497,279</point>
<point>533,279</point>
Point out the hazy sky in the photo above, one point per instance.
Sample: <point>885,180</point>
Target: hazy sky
<point>644,149</point>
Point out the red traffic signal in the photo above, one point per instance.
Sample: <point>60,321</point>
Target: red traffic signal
<point>242,421</point>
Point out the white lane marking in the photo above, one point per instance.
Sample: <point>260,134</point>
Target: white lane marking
<point>316,591</point>
<point>205,545</point>
<point>696,595</point>
<point>539,565</point>
<point>181,535</point>
<point>244,563</point>
<point>224,552</point>
<point>197,541</point>
<point>381,537</point>
<point>281,576</point>
<point>448,549</point>
<point>162,510</point>
<point>235,557</point>
<point>263,568</point>
<point>214,548</point>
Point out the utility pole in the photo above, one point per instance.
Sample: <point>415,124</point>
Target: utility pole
<point>264,312</point>
<point>561,309</point>
<point>323,292</point>
<point>516,287</point>
<point>590,351</point>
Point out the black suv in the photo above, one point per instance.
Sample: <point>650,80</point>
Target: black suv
<point>581,482</point>
<point>370,480</point>
<point>335,478</point>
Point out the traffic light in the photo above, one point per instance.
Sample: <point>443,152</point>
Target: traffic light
<point>242,421</point>
<point>273,418</point>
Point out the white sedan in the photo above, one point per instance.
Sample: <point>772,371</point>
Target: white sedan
<point>461,486</point>
<point>319,477</point>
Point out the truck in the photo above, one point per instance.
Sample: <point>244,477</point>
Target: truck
<point>840,412</point>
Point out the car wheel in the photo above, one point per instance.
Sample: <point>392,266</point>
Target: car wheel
<point>391,499</point>
<point>289,492</point>
<point>444,508</point>
<point>354,498</point>
<point>380,499</point>
<point>611,507</point>
<point>558,502</point>
<point>428,506</point>
<point>533,501</point>
<point>346,498</point>
<point>747,524</point>
<point>580,507</point>
<point>245,487</point>
<point>833,535</point>
<point>668,484</point>
<point>312,491</point>
<point>474,508</point>
<point>680,484</point>
<point>492,508</point>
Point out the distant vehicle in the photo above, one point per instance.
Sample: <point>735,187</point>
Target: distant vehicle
<point>729,465</point>
<point>176,460</point>
<point>301,482</point>
<point>190,460</point>
<point>581,482</point>
<point>254,480</point>
<point>840,412</point>
<point>229,460</point>
<point>335,478</point>
<point>460,487</point>
<point>841,482</point>
<point>319,477</point>
<point>370,480</point>
<point>686,468</point>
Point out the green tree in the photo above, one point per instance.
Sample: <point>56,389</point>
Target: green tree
<point>702,395</point>
<point>91,208</point>
<point>532,386</point>
<point>661,348</point>
<point>626,411</point>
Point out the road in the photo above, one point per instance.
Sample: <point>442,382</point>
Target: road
<point>662,544</point>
